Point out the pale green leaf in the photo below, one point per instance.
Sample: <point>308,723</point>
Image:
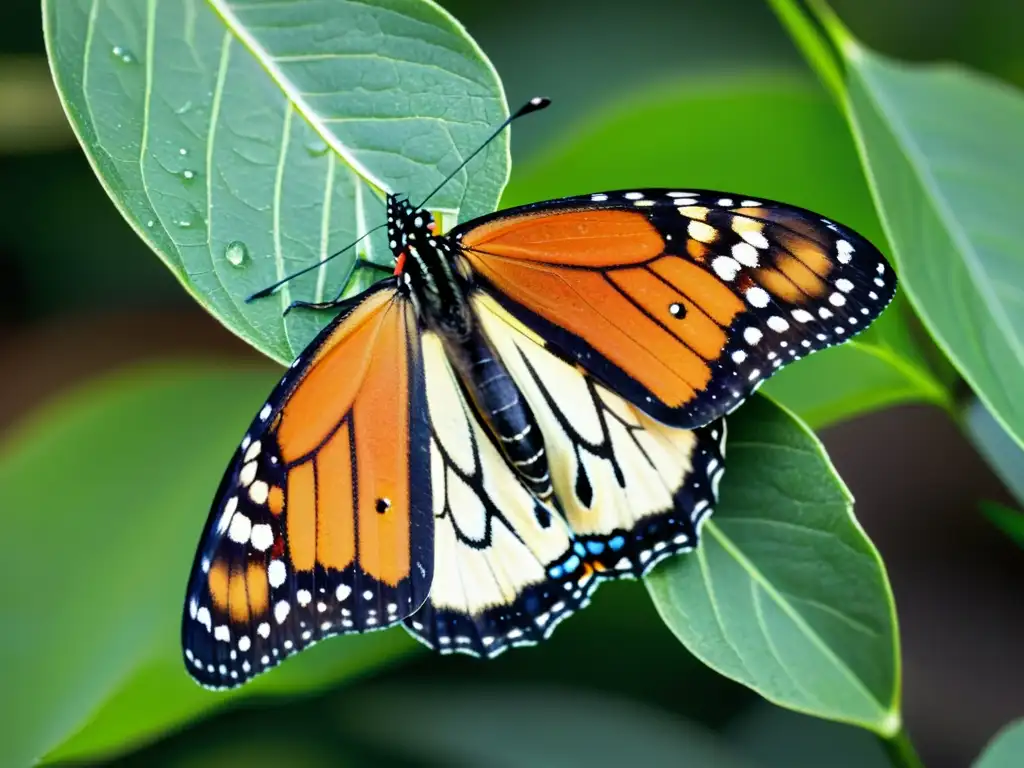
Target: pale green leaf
<point>1006,750</point>
<point>941,146</point>
<point>246,140</point>
<point>785,592</point>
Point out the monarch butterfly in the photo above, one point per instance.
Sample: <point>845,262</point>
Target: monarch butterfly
<point>530,404</point>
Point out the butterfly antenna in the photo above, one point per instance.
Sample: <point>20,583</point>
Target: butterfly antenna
<point>535,104</point>
<point>271,288</point>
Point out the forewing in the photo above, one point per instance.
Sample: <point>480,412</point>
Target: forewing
<point>682,302</point>
<point>322,523</point>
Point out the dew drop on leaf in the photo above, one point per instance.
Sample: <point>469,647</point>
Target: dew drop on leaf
<point>316,147</point>
<point>236,253</point>
<point>188,175</point>
<point>183,152</point>
<point>122,53</point>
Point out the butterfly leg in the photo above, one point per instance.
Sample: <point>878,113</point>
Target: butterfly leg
<point>337,301</point>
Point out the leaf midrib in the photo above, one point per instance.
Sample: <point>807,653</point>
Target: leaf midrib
<point>293,94</point>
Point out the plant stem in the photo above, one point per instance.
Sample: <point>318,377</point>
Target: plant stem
<point>901,751</point>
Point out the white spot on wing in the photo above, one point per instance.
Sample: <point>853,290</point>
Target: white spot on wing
<point>281,613</point>
<point>758,297</point>
<point>248,474</point>
<point>262,537</point>
<point>276,573</point>
<point>241,527</point>
<point>724,266</point>
<point>253,452</point>
<point>745,254</point>
<point>258,492</point>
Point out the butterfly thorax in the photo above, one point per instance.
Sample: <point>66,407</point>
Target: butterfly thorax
<point>424,263</point>
<point>427,264</point>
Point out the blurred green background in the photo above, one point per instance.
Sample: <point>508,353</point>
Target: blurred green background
<point>81,296</point>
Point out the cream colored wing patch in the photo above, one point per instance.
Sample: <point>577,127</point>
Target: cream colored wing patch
<point>632,489</point>
<point>628,493</point>
<point>495,542</point>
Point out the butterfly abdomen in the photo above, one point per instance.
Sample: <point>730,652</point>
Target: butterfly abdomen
<point>503,409</point>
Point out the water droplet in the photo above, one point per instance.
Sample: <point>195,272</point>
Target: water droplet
<point>316,147</point>
<point>183,109</point>
<point>236,253</point>
<point>182,151</point>
<point>150,223</point>
<point>184,223</point>
<point>188,175</point>
<point>123,54</point>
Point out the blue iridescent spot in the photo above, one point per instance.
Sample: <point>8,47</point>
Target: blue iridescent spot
<point>555,571</point>
<point>578,546</point>
<point>595,547</point>
<point>572,563</point>
<point>617,543</point>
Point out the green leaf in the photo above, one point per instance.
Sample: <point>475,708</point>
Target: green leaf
<point>106,492</point>
<point>246,140</point>
<point>942,149</point>
<point>1006,750</point>
<point>785,593</point>
<point>530,726</point>
<point>1009,521</point>
<point>800,152</point>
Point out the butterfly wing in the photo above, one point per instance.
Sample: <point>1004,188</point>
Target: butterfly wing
<point>628,492</point>
<point>322,523</point>
<point>682,302</point>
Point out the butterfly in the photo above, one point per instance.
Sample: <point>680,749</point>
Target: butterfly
<point>531,404</point>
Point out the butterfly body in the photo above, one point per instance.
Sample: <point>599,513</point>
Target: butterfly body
<point>533,403</point>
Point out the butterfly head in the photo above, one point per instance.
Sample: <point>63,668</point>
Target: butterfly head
<point>407,224</point>
<point>424,261</point>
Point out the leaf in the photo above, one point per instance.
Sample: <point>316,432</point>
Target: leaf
<point>480,725</point>
<point>1006,750</point>
<point>105,493</point>
<point>785,593</point>
<point>246,140</point>
<point>942,149</point>
<point>811,163</point>
<point>1009,521</point>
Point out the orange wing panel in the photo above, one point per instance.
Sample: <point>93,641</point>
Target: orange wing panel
<point>302,516</point>
<point>335,375</point>
<point>586,304</point>
<point>335,529</point>
<point>589,238</point>
<point>691,326</point>
<point>381,426</point>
